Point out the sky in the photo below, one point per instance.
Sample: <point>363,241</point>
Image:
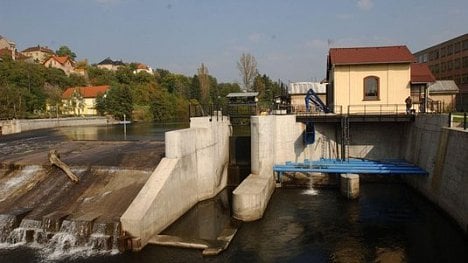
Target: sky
<point>290,39</point>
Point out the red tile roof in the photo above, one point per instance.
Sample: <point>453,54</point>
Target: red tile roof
<point>420,73</point>
<point>85,92</point>
<point>142,66</point>
<point>370,55</point>
<point>61,60</point>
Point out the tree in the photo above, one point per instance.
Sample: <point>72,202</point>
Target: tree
<point>100,104</point>
<point>119,102</point>
<point>247,66</point>
<point>65,51</point>
<point>203,78</point>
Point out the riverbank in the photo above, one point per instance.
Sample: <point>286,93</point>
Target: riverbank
<point>17,126</point>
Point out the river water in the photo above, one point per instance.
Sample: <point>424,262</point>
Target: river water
<point>388,223</point>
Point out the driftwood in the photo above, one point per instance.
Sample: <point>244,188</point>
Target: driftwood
<point>54,159</point>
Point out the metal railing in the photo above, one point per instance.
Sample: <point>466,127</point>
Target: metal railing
<point>458,120</point>
<point>376,109</point>
<point>301,111</point>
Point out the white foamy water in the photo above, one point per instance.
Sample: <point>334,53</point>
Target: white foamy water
<point>310,191</point>
<point>17,180</point>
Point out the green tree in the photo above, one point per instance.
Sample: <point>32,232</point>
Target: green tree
<point>119,102</point>
<point>65,51</point>
<point>101,104</point>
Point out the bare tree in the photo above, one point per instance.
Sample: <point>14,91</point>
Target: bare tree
<point>204,80</point>
<point>247,66</point>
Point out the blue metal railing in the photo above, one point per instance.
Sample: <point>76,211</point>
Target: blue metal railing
<point>353,166</point>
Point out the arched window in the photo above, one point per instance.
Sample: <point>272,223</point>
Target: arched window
<point>371,88</point>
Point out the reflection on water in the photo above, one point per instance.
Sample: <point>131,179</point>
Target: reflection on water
<point>119,132</point>
<point>205,220</point>
<point>388,223</point>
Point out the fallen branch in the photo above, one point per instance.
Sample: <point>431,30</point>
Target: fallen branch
<point>54,159</point>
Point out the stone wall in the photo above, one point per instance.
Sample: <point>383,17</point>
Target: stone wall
<point>35,124</point>
<point>194,169</point>
<point>443,152</point>
<point>9,127</point>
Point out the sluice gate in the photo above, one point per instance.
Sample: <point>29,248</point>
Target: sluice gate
<point>350,166</point>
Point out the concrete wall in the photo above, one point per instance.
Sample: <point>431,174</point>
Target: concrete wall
<point>367,140</point>
<point>194,169</point>
<point>274,139</point>
<point>9,126</point>
<point>35,124</point>
<point>443,152</point>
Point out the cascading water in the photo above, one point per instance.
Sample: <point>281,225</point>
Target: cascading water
<point>74,239</point>
<point>58,234</point>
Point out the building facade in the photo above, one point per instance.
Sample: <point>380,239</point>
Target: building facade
<point>449,61</point>
<point>38,54</point>
<point>298,91</point>
<point>64,63</point>
<point>375,80</point>
<point>82,100</point>
<point>110,64</point>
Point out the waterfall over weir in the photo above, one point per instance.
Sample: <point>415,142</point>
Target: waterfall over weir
<point>42,209</point>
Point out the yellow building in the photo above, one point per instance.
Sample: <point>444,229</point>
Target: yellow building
<point>369,79</point>
<point>82,100</point>
<point>38,54</point>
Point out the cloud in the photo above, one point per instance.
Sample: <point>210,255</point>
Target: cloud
<point>365,4</point>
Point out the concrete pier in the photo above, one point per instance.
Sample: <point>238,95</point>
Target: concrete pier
<point>349,185</point>
<point>194,169</point>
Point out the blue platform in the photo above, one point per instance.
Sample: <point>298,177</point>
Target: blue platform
<point>351,166</point>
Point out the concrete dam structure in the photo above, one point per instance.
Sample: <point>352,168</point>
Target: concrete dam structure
<point>129,192</point>
<point>426,142</point>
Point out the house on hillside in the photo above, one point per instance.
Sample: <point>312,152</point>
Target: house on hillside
<point>7,48</point>
<point>64,63</point>
<point>143,68</point>
<point>298,90</point>
<point>38,54</point>
<point>372,79</point>
<point>82,100</point>
<point>110,64</point>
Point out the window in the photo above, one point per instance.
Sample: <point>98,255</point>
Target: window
<point>443,51</point>
<point>371,88</point>
<point>442,67</point>
<point>457,47</point>
<point>465,44</point>
<point>449,50</point>
<point>456,63</point>
<point>465,62</point>
<point>464,79</point>
<point>449,65</point>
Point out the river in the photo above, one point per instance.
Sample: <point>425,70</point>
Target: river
<point>388,223</point>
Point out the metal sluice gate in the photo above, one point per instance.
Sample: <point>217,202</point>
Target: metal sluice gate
<point>350,166</point>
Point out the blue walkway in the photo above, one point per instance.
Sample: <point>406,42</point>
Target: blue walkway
<point>351,166</point>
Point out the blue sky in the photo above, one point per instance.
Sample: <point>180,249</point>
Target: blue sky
<point>289,38</point>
